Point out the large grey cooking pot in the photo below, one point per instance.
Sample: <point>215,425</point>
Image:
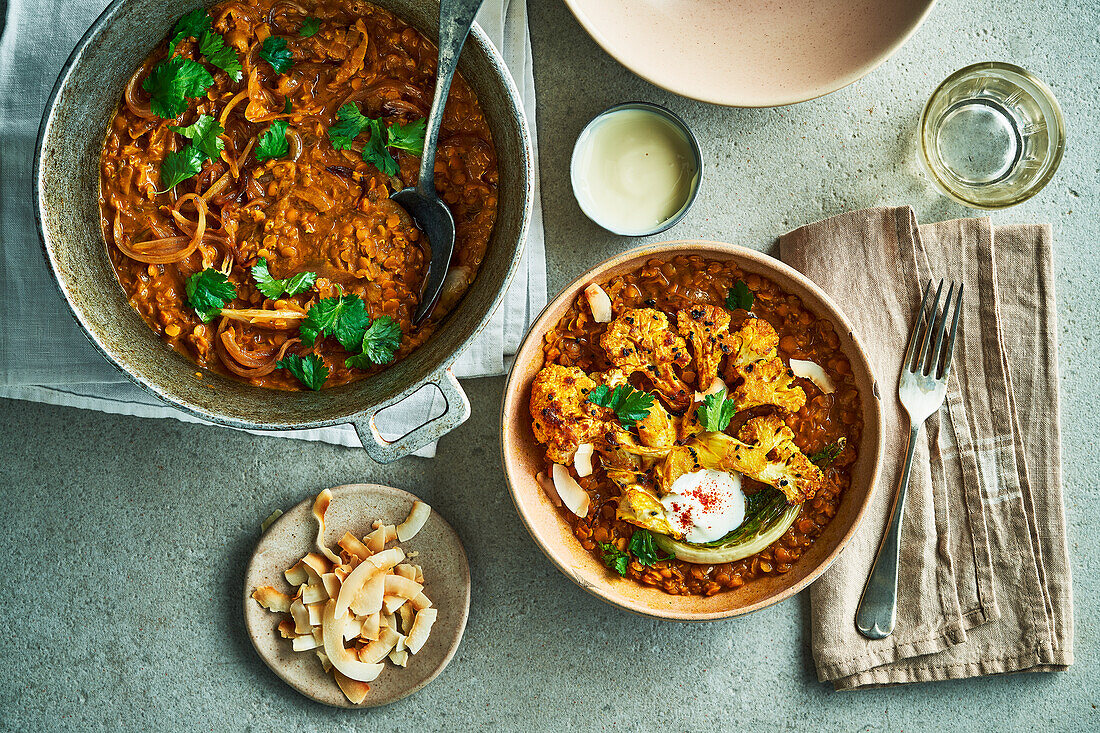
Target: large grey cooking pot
<point>66,193</point>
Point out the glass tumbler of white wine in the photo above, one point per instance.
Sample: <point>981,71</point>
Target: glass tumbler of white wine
<point>991,135</point>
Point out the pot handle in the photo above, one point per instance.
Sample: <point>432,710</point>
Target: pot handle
<point>455,412</point>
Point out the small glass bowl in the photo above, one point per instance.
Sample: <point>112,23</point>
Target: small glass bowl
<point>677,122</point>
<point>991,135</point>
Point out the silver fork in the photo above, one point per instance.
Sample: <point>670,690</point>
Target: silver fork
<point>922,388</point>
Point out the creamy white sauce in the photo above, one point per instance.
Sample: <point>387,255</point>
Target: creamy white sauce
<point>705,505</point>
<point>633,170</point>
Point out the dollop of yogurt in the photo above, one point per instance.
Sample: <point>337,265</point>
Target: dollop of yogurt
<point>705,505</point>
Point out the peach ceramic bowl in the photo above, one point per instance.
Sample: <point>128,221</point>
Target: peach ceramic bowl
<point>524,457</point>
<point>751,53</point>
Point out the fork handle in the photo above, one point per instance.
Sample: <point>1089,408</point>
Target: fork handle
<point>878,608</point>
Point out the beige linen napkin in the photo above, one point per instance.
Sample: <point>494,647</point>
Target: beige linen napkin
<point>985,582</point>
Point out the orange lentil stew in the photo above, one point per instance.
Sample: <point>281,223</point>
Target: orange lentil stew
<point>700,424</point>
<point>245,183</point>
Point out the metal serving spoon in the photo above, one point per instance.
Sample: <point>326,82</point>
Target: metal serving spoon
<point>421,201</point>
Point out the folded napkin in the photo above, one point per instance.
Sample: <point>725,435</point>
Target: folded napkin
<point>43,354</point>
<point>984,586</point>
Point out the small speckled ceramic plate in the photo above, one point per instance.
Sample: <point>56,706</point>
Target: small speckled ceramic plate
<point>354,508</point>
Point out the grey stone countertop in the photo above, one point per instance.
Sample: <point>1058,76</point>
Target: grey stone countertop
<point>125,540</point>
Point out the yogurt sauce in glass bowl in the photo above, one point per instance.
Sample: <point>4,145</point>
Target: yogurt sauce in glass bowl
<point>636,169</point>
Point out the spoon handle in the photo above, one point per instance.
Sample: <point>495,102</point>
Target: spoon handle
<point>455,19</point>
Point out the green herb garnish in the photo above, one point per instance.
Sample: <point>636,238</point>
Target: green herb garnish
<point>212,47</point>
<point>203,134</point>
<point>380,342</point>
<point>376,153</point>
<point>740,296</point>
<point>828,454</point>
<point>310,26</point>
<point>716,412</point>
<point>614,558</point>
<point>344,317</point>
<point>310,370</point>
<point>408,137</point>
<point>179,165</point>
<point>350,122</point>
<point>273,144</point>
<point>208,292</point>
<point>641,546</point>
<point>192,25</point>
<point>171,82</point>
<point>272,288</point>
<point>630,405</point>
<point>275,52</point>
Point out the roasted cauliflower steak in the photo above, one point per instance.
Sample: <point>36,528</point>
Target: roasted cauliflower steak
<point>562,417</point>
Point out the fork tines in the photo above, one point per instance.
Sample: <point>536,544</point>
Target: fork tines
<point>928,331</point>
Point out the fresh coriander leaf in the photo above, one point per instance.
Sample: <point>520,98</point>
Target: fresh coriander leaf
<point>344,317</point>
<point>171,81</point>
<point>380,341</point>
<point>272,288</point>
<point>179,165</point>
<point>408,137</point>
<point>642,547</point>
<point>310,26</point>
<point>287,106</point>
<point>630,405</point>
<point>192,25</point>
<point>614,558</point>
<point>275,52</point>
<point>310,370</point>
<point>203,134</point>
<point>208,292</point>
<point>824,457</point>
<point>716,412</point>
<point>376,152</point>
<point>272,143</point>
<point>350,122</point>
<point>740,296</point>
<point>213,47</point>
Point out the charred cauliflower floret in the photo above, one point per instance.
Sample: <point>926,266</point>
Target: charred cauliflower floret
<point>768,382</point>
<point>765,379</point>
<point>707,328</point>
<point>562,417</point>
<point>640,340</point>
<point>790,471</point>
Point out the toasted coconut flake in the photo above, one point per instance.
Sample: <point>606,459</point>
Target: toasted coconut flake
<point>327,665</point>
<point>272,599</point>
<point>572,495</point>
<point>582,459</point>
<point>377,650</point>
<point>353,546</point>
<point>387,558</point>
<point>286,629</point>
<point>405,570</point>
<point>316,566</point>
<point>390,604</point>
<point>314,594</point>
<point>420,602</point>
<point>304,643</point>
<point>297,574</point>
<point>353,586</point>
<point>399,657</point>
<point>353,628</point>
<point>406,614</point>
<point>354,690</point>
<point>418,516</point>
<point>403,587</point>
<point>813,372</point>
<point>389,620</point>
<point>599,302</point>
<point>382,534</point>
<point>316,611</point>
<point>419,574</point>
<point>422,626</point>
<point>716,387</point>
<point>320,506</point>
<point>548,486</point>
<point>344,660</point>
<point>369,598</point>
<point>270,520</point>
<point>371,626</point>
<point>301,617</point>
<point>332,584</point>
